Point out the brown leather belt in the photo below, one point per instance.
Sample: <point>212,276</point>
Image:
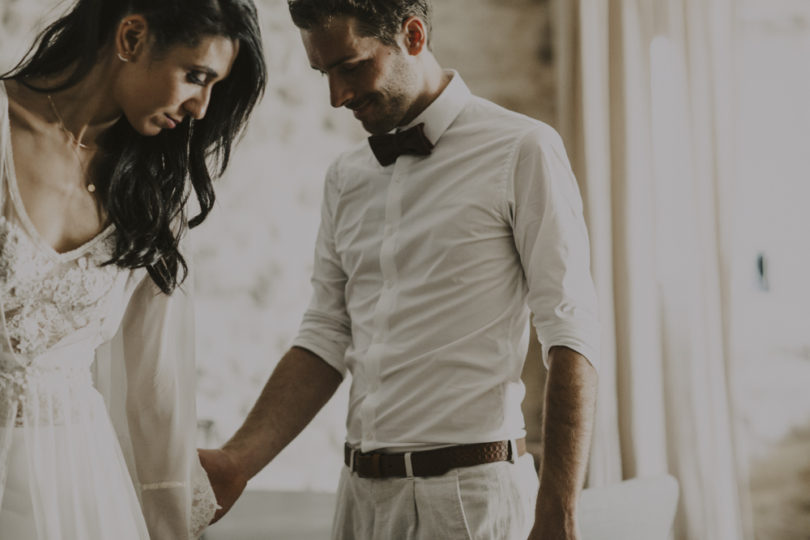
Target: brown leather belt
<point>429,462</point>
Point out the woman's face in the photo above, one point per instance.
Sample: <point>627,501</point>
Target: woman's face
<point>158,91</point>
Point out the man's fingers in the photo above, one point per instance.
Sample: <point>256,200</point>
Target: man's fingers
<point>218,515</point>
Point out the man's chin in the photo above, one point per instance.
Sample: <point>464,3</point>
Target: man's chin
<point>377,127</point>
<point>371,128</point>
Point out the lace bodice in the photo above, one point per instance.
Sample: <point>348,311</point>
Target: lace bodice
<point>47,296</point>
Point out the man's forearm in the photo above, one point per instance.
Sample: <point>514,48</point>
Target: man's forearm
<point>567,423</point>
<point>298,388</point>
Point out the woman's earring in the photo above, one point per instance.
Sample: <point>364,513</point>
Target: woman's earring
<point>123,58</point>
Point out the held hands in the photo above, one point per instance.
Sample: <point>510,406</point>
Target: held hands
<point>225,476</point>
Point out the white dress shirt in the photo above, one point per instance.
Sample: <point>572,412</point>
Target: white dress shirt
<point>425,271</point>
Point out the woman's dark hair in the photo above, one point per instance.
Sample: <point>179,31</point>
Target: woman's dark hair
<point>143,183</point>
<point>381,19</point>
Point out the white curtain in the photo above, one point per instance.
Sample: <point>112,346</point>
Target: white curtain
<point>646,112</point>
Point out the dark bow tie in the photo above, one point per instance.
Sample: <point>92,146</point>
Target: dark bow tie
<point>387,148</point>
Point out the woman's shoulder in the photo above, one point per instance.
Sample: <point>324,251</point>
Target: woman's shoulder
<point>20,104</point>
<point>5,115</point>
<point>3,102</point>
<point>9,94</point>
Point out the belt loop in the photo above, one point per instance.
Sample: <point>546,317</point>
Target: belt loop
<point>408,465</point>
<point>513,454</point>
<point>351,459</point>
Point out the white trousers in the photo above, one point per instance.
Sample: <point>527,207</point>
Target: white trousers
<point>494,501</point>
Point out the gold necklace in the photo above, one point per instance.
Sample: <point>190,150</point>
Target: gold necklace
<point>76,143</point>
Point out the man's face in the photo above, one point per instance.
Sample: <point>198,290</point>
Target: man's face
<point>375,80</point>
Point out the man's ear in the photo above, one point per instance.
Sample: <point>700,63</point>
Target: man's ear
<point>415,35</point>
<point>130,39</point>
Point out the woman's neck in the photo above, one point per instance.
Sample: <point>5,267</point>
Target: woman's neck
<point>88,108</point>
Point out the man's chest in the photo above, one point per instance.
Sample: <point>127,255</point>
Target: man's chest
<point>413,217</point>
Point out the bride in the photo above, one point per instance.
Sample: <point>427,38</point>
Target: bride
<point>121,111</point>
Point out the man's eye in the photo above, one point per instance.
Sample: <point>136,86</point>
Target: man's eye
<point>196,77</point>
<point>348,68</point>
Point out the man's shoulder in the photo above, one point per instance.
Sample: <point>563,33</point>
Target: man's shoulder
<point>358,159</point>
<point>505,122</point>
<point>359,152</point>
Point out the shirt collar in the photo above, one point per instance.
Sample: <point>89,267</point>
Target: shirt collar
<point>438,116</point>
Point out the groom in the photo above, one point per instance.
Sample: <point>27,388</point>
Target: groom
<point>437,237</point>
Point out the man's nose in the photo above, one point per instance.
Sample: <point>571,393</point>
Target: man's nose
<point>339,92</point>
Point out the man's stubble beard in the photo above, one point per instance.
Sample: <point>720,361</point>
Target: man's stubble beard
<point>397,97</point>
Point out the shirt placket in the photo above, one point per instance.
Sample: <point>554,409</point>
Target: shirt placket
<point>385,304</point>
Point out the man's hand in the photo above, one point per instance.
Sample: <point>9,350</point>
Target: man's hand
<point>225,477</point>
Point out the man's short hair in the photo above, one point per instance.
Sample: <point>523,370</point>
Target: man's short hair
<point>381,19</point>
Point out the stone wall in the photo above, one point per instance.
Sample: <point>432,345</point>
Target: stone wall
<point>253,256</point>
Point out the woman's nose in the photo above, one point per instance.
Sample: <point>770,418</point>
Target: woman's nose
<point>198,104</point>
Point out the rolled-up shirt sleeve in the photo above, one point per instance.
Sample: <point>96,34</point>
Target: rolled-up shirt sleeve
<point>550,235</point>
<point>326,328</point>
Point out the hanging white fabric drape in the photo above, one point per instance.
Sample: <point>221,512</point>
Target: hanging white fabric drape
<point>645,110</point>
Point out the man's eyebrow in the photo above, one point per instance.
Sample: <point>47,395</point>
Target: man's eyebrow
<point>335,63</point>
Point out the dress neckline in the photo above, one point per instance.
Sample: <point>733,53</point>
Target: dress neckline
<point>19,206</point>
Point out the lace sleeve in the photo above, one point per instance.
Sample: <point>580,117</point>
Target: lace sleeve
<point>156,420</point>
<point>203,502</point>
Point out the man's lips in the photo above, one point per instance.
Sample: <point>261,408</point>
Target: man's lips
<point>359,107</point>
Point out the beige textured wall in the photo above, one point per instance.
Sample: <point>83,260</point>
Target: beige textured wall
<point>253,256</point>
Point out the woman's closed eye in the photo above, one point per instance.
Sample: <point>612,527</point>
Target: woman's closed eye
<point>197,77</point>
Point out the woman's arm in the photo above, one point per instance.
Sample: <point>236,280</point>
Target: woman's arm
<point>156,421</point>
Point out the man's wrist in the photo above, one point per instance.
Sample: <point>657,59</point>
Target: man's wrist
<point>237,456</point>
<point>555,519</point>
<point>553,504</point>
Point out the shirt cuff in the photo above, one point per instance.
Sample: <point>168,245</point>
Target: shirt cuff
<point>584,343</point>
<point>324,349</point>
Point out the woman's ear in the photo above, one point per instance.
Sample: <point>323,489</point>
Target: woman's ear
<point>130,39</point>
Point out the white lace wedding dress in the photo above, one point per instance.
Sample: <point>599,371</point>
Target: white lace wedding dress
<point>97,415</point>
